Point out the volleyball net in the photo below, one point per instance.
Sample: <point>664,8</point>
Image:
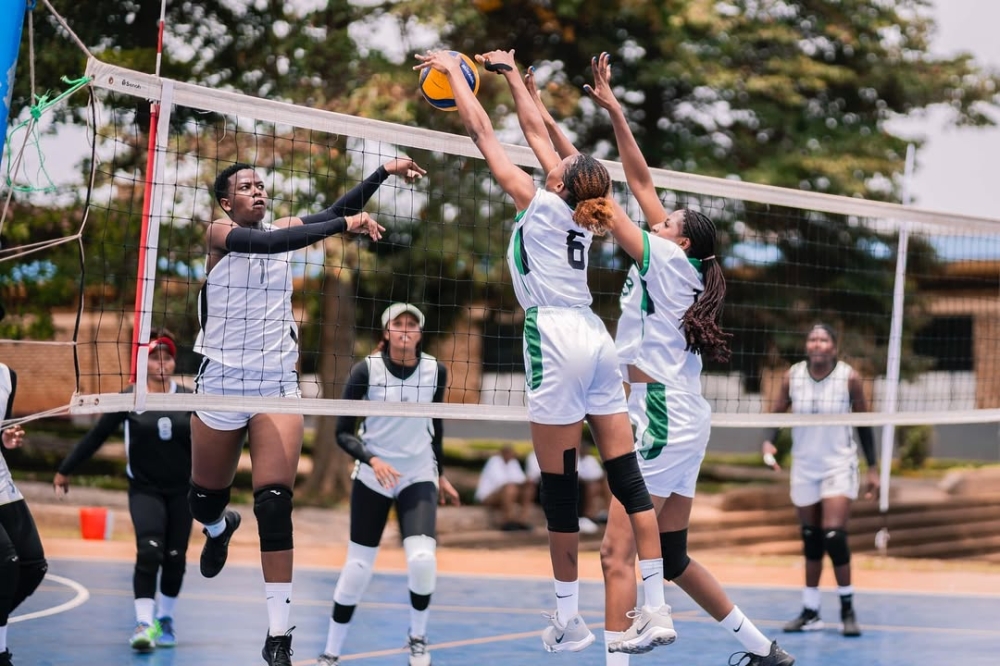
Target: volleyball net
<point>912,293</point>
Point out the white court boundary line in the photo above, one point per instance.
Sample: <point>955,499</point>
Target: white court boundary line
<point>82,596</point>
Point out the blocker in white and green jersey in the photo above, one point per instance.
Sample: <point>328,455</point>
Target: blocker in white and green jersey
<point>547,255</point>
<point>628,335</point>
<point>668,285</point>
<point>245,311</point>
<point>819,450</point>
<point>404,443</point>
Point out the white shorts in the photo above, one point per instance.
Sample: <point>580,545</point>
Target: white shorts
<point>570,366</point>
<point>366,475</point>
<point>807,490</point>
<point>217,379</point>
<point>671,436</point>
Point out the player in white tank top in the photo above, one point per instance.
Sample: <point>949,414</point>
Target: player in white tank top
<point>571,368</point>
<point>248,339</point>
<point>824,474</point>
<point>671,305</point>
<point>22,559</point>
<point>398,464</point>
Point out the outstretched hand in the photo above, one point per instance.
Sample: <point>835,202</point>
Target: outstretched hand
<point>405,168</point>
<point>601,91</point>
<point>441,61</point>
<point>363,223</point>
<point>497,61</point>
<point>532,86</point>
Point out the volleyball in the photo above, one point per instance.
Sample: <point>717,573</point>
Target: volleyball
<point>436,89</point>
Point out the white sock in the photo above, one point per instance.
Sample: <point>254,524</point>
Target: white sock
<point>418,622</point>
<point>165,606</point>
<point>3,638</point>
<point>746,632</point>
<point>567,600</point>
<point>652,582</point>
<point>845,590</point>
<point>811,598</point>
<point>614,658</point>
<point>144,610</point>
<point>279,606</point>
<point>218,527</point>
<point>335,636</point>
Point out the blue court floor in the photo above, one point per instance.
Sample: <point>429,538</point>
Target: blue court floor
<point>83,614</point>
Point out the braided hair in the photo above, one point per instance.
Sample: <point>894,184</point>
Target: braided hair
<point>587,186</point>
<point>701,321</point>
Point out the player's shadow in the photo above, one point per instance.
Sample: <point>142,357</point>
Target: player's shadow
<point>153,658</point>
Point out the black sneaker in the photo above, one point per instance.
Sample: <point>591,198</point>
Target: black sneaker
<point>278,649</point>
<point>5,658</point>
<point>216,549</point>
<point>808,620</point>
<point>850,623</point>
<point>776,657</point>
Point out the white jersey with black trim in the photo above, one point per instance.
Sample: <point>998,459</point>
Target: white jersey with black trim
<point>8,491</point>
<point>245,311</point>
<point>650,332</point>
<point>817,450</point>
<point>547,255</point>
<point>403,442</point>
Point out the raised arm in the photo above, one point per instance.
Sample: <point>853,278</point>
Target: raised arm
<point>226,236</point>
<point>514,181</point>
<point>560,141</point>
<point>640,180</point>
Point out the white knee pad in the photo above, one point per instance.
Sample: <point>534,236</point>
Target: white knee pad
<point>355,575</point>
<point>421,563</point>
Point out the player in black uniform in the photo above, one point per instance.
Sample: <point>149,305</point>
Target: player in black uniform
<point>158,448</point>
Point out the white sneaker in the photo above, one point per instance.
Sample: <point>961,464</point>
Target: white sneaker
<point>651,627</point>
<point>587,526</point>
<point>327,659</point>
<point>419,656</point>
<point>570,637</point>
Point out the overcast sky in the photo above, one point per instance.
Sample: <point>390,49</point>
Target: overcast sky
<point>958,170</point>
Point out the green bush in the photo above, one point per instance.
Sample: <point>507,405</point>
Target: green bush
<point>914,444</point>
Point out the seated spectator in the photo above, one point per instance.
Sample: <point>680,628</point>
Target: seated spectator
<point>594,488</point>
<point>501,486</point>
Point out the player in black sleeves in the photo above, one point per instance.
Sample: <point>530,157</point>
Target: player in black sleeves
<point>158,448</point>
<point>22,560</point>
<point>398,463</point>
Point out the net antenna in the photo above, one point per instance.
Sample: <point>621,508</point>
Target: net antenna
<point>895,354</point>
<point>149,233</point>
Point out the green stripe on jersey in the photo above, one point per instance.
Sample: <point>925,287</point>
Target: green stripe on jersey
<point>520,256</point>
<point>534,339</point>
<point>655,437</point>
<point>644,265</point>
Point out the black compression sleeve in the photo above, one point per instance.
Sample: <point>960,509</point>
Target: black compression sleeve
<point>86,447</point>
<point>867,437</point>
<point>437,442</point>
<point>261,241</point>
<point>772,435</point>
<point>347,439</point>
<point>352,202</point>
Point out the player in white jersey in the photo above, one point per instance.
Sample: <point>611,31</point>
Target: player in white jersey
<point>570,363</point>
<point>398,462</point>
<point>249,340</point>
<point>22,559</point>
<point>671,305</point>
<point>824,475</point>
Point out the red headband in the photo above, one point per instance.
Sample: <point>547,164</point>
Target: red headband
<point>166,343</point>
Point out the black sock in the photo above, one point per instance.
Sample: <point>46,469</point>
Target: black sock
<point>846,603</point>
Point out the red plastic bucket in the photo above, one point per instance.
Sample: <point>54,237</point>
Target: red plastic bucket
<point>96,523</point>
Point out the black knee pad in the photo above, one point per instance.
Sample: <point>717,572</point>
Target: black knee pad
<point>207,506</point>
<point>149,554</point>
<point>812,542</point>
<point>560,494</point>
<point>836,546</point>
<point>31,575</point>
<point>627,484</point>
<point>673,546</point>
<point>273,507</point>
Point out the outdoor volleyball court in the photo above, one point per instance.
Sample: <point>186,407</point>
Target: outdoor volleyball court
<point>82,614</point>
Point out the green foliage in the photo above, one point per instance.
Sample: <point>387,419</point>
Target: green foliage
<point>914,444</point>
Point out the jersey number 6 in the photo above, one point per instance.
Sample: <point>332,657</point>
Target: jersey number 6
<point>575,251</point>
